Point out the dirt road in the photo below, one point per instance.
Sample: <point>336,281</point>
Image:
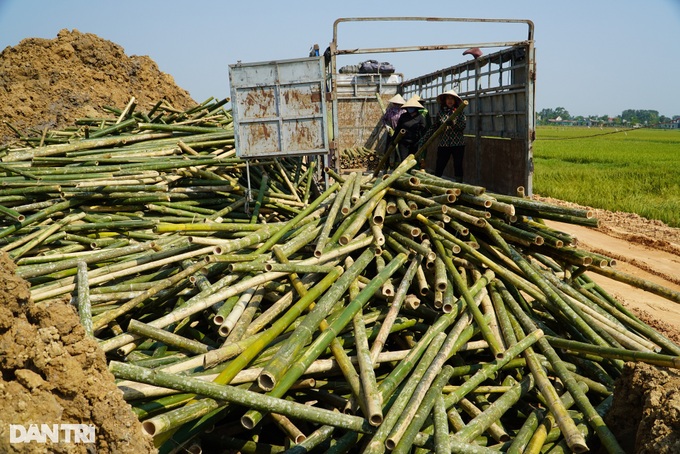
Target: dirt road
<point>634,256</point>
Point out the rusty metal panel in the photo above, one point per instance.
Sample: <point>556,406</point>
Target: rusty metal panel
<point>279,108</point>
<point>359,112</point>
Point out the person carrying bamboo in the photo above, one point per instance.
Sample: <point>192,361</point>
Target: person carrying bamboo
<point>393,112</point>
<point>451,141</point>
<point>414,126</point>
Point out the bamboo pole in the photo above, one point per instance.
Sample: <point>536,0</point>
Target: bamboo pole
<point>238,396</point>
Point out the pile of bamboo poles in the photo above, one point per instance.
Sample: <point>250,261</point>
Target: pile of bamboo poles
<point>358,158</point>
<point>402,313</point>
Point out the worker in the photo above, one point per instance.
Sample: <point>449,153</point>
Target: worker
<point>393,112</point>
<point>413,123</point>
<point>424,112</point>
<point>451,141</point>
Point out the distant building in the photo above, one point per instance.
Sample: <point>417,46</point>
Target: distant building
<point>673,124</point>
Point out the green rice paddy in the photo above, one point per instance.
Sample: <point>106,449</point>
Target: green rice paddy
<point>636,171</point>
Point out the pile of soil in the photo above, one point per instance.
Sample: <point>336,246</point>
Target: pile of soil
<point>52,373</point>
<point>48,84</point>
<point>645,415</point>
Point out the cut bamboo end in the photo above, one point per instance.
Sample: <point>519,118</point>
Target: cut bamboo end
<point>411,302</point>
<point>149,428</point>
<point>266,381</point>
<point>375,419</point>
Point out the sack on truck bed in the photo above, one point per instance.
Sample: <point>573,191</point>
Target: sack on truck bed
<point>349,69</point>
<point>374,67</point>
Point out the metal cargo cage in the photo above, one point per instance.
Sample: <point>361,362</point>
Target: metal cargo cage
<point>499,88</point>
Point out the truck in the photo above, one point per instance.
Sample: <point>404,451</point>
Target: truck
<point>308,107</point>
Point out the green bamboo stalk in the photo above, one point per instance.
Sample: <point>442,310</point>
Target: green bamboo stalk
<point>174,418</point>
<point>643,284</point>
<point>303,333</point>
<point>344,361</point>
<point>324,339</point>
<point>260,196</point>
<point>620,333</point>
<point>104,255</point>
<point>383,184</point>
<point>44,234</point>
<point>245,357</point>
<point>284,175</point>
<point>360,218</point>
<point>293,222</point>
<point>488,335</point>
<point>211,227</point>
<point>12,214</point>
<point>567,425</point>
<point>347,200</point>
<point>491,368</point>
<point>236,311</point>
<point>442,444</point>
<point>319,436</point>
<point>420,248</point>
<point>332,214</point>
<point>286,425</point>
<point>84,305</point>
<point>40,216</point>
<point>224,310</point>
<point>168,338</point>
<point>238,396</point>
<point>107,317</point>
<point>573,314</point>
<point>613,307</point>
<point>616,353</point>
<point>395,306</point>
<point>402,444</point>
<point>377,442</point>
<point>369,387</point>
<point>391,382</point>
<point>239,329</point>
<point>594,419</point>
<point>483,421</point>
<point>452,344</point>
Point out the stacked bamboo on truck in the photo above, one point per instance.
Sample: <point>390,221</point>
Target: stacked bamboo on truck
<point>357,158</point>
<point>400,313</point>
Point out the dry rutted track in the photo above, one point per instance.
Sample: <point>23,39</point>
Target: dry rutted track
<point>642,248</point>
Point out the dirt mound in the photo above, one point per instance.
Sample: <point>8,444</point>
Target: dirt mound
<point>645,415</point>
<point>48,84</point>
<point>52,373</point>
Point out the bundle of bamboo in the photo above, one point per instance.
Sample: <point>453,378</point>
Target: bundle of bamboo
<point>394,313</point>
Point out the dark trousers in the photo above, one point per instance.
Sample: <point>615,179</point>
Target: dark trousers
<point>406,149</point>
<point>443,156</point>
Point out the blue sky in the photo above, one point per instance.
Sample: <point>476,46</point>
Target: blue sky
<point>594,57</point>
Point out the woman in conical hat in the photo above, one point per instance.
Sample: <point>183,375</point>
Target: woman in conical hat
<point>413,124</point>
<point>451,141</point>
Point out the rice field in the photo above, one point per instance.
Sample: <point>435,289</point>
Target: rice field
<point>636,171</point>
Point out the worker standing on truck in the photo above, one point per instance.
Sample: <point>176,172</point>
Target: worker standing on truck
<point>393,112</point>
<point>424,112</point>
<point>413,123</point>
<point>451,141</point>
